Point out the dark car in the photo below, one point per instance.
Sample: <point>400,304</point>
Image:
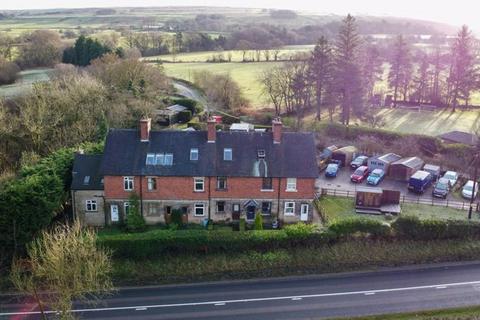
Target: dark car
<point>332,170</point>
<point>358,162</point>
<point>441,188</point>
<point>420,181</point>
<point>360,174</point>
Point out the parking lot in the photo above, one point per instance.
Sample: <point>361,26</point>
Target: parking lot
<point>342,185</point>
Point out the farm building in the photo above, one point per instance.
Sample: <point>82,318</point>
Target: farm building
<point>383,162</point>
<point>404,168</point>
<point>345,155</point>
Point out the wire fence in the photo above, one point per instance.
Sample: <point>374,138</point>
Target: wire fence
<point>462,205</point>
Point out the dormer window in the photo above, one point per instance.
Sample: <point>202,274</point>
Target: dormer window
<point>261,154</point>
<point>86,180</point>
<point>194,154</point>
<point>168,159</point>
<point>150,159</point>
<point>159,158</point>
<point>227,154</point>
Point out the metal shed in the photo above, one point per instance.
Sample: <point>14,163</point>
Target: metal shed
<point>383,162</point>
<point>345,155</point>
<point>404,168</point>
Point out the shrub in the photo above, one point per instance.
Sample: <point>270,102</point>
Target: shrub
<point>184,116</point>
<point>349,227</point>
<point>134,221</point>
<point>241,225</point>
<point>8,72</point>
<point>258,221</point>
<point>177,217</point>
<point>411,227</point>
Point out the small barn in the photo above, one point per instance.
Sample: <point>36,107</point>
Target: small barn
<point>377,201</point>
<point>383,162</point>
<point>404,168</point>
<point>170,115</point>
<point>345,155</point>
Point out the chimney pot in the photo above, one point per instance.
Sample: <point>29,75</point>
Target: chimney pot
<point>211,130</point>
<point>277,130</point>
<point>145,126</point>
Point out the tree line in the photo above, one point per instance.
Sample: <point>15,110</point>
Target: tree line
<point>342,75</point>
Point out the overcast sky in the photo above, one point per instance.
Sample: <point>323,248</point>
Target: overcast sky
<point>455,12</point>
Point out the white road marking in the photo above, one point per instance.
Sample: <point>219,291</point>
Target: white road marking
<point>296,298</point>
<point>140,309</point>
<point>203,303</point>
<point>441,287</point>
<point>369,293</point>
<point>220,304</point>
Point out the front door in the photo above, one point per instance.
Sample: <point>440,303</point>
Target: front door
<point>114,212</point>
<point>251,212</point>
<point>304,212</point>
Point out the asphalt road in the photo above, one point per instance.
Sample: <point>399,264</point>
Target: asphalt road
<point>310,297</point>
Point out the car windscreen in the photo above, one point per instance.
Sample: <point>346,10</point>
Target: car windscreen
<point>441,186</point>
<point>358,172</point>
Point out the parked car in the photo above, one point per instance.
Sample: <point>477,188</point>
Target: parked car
<point>375,177</point>
<point>452,177</point>
<point>420,181</point>
<point>360,174</point>
<point>358,162</point>
<point>468,188</point>
<point>332,170</point>
<point>441,188</point>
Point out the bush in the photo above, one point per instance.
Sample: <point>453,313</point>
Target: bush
<point>258,221</point>
<point>241,225</point>
<point>177,217</point>
<point>8,72</point>
<point>134,221</point>
<point>349,227</point>
<point>411,227</point>
<point>184,116</point>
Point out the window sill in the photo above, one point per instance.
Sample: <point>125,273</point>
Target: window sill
<point>291,190</point>
<point>89,211</point>
<point>221,190</point>
<point>198,191</point>
<point>289,214</point>
<point>197,215</point>
<point>266,190</point>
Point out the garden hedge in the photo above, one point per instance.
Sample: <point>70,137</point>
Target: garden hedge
<point>411,227</point>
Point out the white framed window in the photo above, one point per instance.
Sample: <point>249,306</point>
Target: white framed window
<point>221,183</point>
<point>151,183</point>
<point>291,184</point>
<point>128,183</point>
<point>159,158</point>
<point>150,159</point>
<point>168,159</point>
<point>91,205</point>
<point>199,184</point>
<point>199,209</point>
<point>126,207</point>
<point>289,208</point>
<point>227,154</point>
<point>304,208</point>
<point>194,154</point>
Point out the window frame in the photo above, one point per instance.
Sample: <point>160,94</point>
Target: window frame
<point>168,162</point>
<point>159,159</point>
<point>227,151</point>
<point>126,207</point>
<point>127,181</point>
<point>220,178</point>
<point>269,212</point>
<point>92,203</point>
<point>198,180</point>
<point>194,151</point>
<point>270,184</point>
<point>304,205</point>
<point>286,206</point>
<point>199,206</point>
<point>290,183</point>
<point>152,157</point>
<point>223,203</point>
<point>149,184</point>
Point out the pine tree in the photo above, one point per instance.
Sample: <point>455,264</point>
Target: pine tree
<point>321,71</point>
<point>400,68</point>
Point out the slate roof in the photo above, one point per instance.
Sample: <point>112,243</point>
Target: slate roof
<point>125,154</point>
<point>87,166</point>
<point>389,157</point>
<point>459,137</point>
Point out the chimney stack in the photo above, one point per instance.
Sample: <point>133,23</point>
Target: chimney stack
<point>212,131</point>
<point>277,130</point>
<point>145,125</point>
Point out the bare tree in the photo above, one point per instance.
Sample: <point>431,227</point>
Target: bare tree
<point>62,266</point>
<point>321,71</point>
<point>371,69</point>
<point>272,87</point>
<point>400,70</point>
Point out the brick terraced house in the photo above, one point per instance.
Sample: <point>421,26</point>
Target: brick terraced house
<point>221,175</point>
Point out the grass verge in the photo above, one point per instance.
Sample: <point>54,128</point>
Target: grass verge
<point>344,256</point>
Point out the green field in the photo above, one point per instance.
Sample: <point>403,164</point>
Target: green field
<point>337,208</point>
<point>245,74</point>
<point>25,81</point>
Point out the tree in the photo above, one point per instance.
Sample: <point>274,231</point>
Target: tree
<point>400,68</point>
<point>84,51</point>
<point>134,218</point>
<point>258,221</point>
<point>42,48</point>
<point>421,80</point>
<point>371,69</point>
<point>347,70</point>
<point>6,46</point>
<point>463,74</point>
<point>8,71</point>
<point>321,70</point>
<point>64,265</point>
<point>244,46</point>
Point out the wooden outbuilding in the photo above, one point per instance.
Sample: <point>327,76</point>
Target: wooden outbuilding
<point>403,169</point>
<point>345,155</point>
<point>377,201</point>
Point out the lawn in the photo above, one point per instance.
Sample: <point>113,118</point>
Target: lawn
<point>245,74</point>
<point>25,81</point>
<point>337,208</point>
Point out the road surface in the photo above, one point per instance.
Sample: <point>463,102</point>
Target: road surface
<point>310,297</point>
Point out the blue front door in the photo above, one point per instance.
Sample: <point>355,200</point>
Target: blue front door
<point>251,212</point>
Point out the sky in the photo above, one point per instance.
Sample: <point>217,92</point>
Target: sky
<point>455,12</point>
